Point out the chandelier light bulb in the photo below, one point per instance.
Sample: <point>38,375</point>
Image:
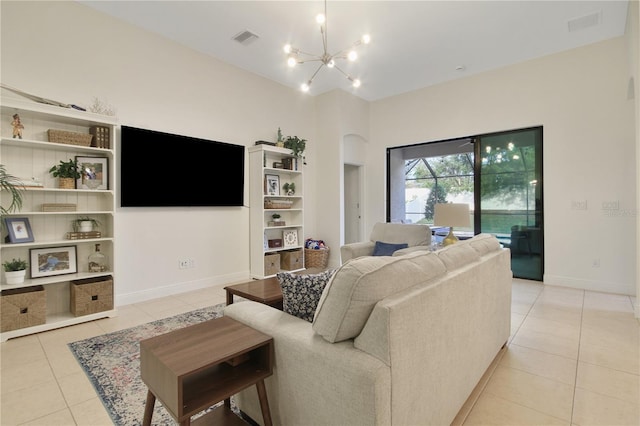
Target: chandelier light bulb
<point>331,63</point>
<point>304,87</point>
<point>292,61</point>
<point>320,18</point>
<point>287,48</point>
<point>366,38</point>
<point>356,83</point>
<point>352,56</point>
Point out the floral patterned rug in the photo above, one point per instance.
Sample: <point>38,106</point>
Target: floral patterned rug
<point>112,363</point>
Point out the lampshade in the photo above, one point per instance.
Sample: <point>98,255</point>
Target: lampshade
<point>451,214</point>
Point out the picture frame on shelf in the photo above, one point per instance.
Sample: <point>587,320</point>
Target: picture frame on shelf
<point>290,238</point>
<point>19,230</point>
<point>94,173</point>
<point>50,261</point>
<point>272,184</point>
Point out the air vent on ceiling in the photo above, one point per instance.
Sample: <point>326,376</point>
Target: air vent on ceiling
<point>586,21</point>
<point>245,37</point>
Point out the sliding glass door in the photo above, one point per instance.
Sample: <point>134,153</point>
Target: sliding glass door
<point>508,196</point>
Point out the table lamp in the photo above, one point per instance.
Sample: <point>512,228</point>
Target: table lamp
<point>451,214</point>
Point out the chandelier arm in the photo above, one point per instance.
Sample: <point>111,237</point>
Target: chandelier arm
<point>316,59</point>
<point>344,73</point>
<point>315,73</point>
<point>324,30</point>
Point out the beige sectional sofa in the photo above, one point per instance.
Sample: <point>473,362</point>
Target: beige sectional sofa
<point>396,340</point>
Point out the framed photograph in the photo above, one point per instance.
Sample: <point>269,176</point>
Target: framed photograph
<point>272,184</point>
<point>19,230</point>
<point>49,261</point>
<point>94,173</point>
<point>290,238</point>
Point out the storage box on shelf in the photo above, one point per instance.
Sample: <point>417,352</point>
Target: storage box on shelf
<point>52,134</point>
<point>91,295</point>
<point>22,307</point>
<point>268,197</point>
<point>291,260</point>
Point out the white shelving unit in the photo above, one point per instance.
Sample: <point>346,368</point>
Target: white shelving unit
<point>31,158</point>
<point>261,164</point>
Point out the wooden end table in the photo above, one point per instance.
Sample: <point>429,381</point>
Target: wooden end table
<point>267,291</point>
<point>193,368</point>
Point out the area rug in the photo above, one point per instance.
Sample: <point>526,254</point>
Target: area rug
<point>112,363</point>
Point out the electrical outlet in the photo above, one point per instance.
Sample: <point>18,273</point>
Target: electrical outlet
<point>186,263</point>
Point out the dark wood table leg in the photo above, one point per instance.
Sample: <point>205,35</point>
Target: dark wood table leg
<point>148,408</point>
<point>264,403</point>
<point>229,298</point>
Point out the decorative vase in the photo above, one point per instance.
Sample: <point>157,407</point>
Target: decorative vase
<point>66,183</point>
<point>15,277</point>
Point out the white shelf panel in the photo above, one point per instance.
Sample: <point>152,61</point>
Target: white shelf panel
<point>55,279</point>
<point>63,242</point>
<point>53,146</point>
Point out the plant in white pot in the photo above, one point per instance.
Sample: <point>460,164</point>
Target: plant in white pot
<point>85,224</point>
<point>15,270</point>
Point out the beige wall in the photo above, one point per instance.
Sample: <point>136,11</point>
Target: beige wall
<point>580,97</point>
<point>66,51</point>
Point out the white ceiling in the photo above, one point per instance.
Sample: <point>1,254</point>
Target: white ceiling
<point>414,43</point>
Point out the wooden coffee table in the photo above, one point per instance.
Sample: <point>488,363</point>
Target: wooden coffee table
<point>265,291</point>
<point>193,368</point>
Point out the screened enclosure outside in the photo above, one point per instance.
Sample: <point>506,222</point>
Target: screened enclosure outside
<point>431,173</point>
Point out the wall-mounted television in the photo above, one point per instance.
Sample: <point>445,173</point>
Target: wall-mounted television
<point>165,170</point>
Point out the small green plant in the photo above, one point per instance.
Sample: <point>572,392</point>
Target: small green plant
<point>66,169</point>
<point>76,222</point>
<point>295,144</point>
<point>289,188</point>
<point>275,216</point>
<point>15,265</point>
<point>12,185</point>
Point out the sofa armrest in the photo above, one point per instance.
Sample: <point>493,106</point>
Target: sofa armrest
<point>307,365</point>
<point>353,250</point>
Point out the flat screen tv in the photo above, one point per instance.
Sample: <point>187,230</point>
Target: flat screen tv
<point>165,170</point>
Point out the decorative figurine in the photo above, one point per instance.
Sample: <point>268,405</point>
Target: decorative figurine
<point>17,126</point>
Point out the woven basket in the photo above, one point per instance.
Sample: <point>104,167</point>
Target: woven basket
<point>66,183</point>
<point>277,204</point>
<point>316,258</point>
<point>91,295</point>
<point>69,138</point>
<point>23,307</point>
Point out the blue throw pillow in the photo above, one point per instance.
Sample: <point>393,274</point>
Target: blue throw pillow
<point>387,249</point>
<point>301,293</point>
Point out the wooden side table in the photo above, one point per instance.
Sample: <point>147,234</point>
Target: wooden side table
<point>193,368</point>
<point>267,291</point>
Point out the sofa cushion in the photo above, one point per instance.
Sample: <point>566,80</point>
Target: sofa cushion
<point>458,255</point>
<point>301,293</point>
<point>387,249</point>
<point>355,288</point>
<point>484,243</point>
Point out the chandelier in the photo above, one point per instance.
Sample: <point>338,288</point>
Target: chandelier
<point>296,56</point>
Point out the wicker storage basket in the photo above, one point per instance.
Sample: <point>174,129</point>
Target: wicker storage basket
<point>91,295</point>
<point>23,307</point>
<point>271,264</point>
<point>291,260</point>
<point>316,258</point>
<point>69,138</point>
<point>66,183</point>
<point>277,204</point>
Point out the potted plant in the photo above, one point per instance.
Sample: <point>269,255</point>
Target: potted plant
<point>280,141</point>
<point>276,220</point>
<point>11,184</point>
<point>295,144</point>
<point>15,270</point>
<point>67,172</point>
<point>85,224</point>
<point>289,188</point>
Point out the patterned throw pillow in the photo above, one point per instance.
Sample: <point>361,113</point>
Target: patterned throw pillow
<point>301,293</point>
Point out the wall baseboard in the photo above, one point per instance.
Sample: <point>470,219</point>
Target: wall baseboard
<point>591,285</point>
<point>178,288</point>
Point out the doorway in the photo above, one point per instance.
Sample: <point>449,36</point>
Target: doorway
<point>352,204</point>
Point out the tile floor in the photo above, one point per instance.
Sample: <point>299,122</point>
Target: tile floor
<point>573,358</point>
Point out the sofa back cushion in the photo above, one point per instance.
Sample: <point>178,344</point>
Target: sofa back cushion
<point>355,288</point>
<point>458,255</point>
<point>413,234</point>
